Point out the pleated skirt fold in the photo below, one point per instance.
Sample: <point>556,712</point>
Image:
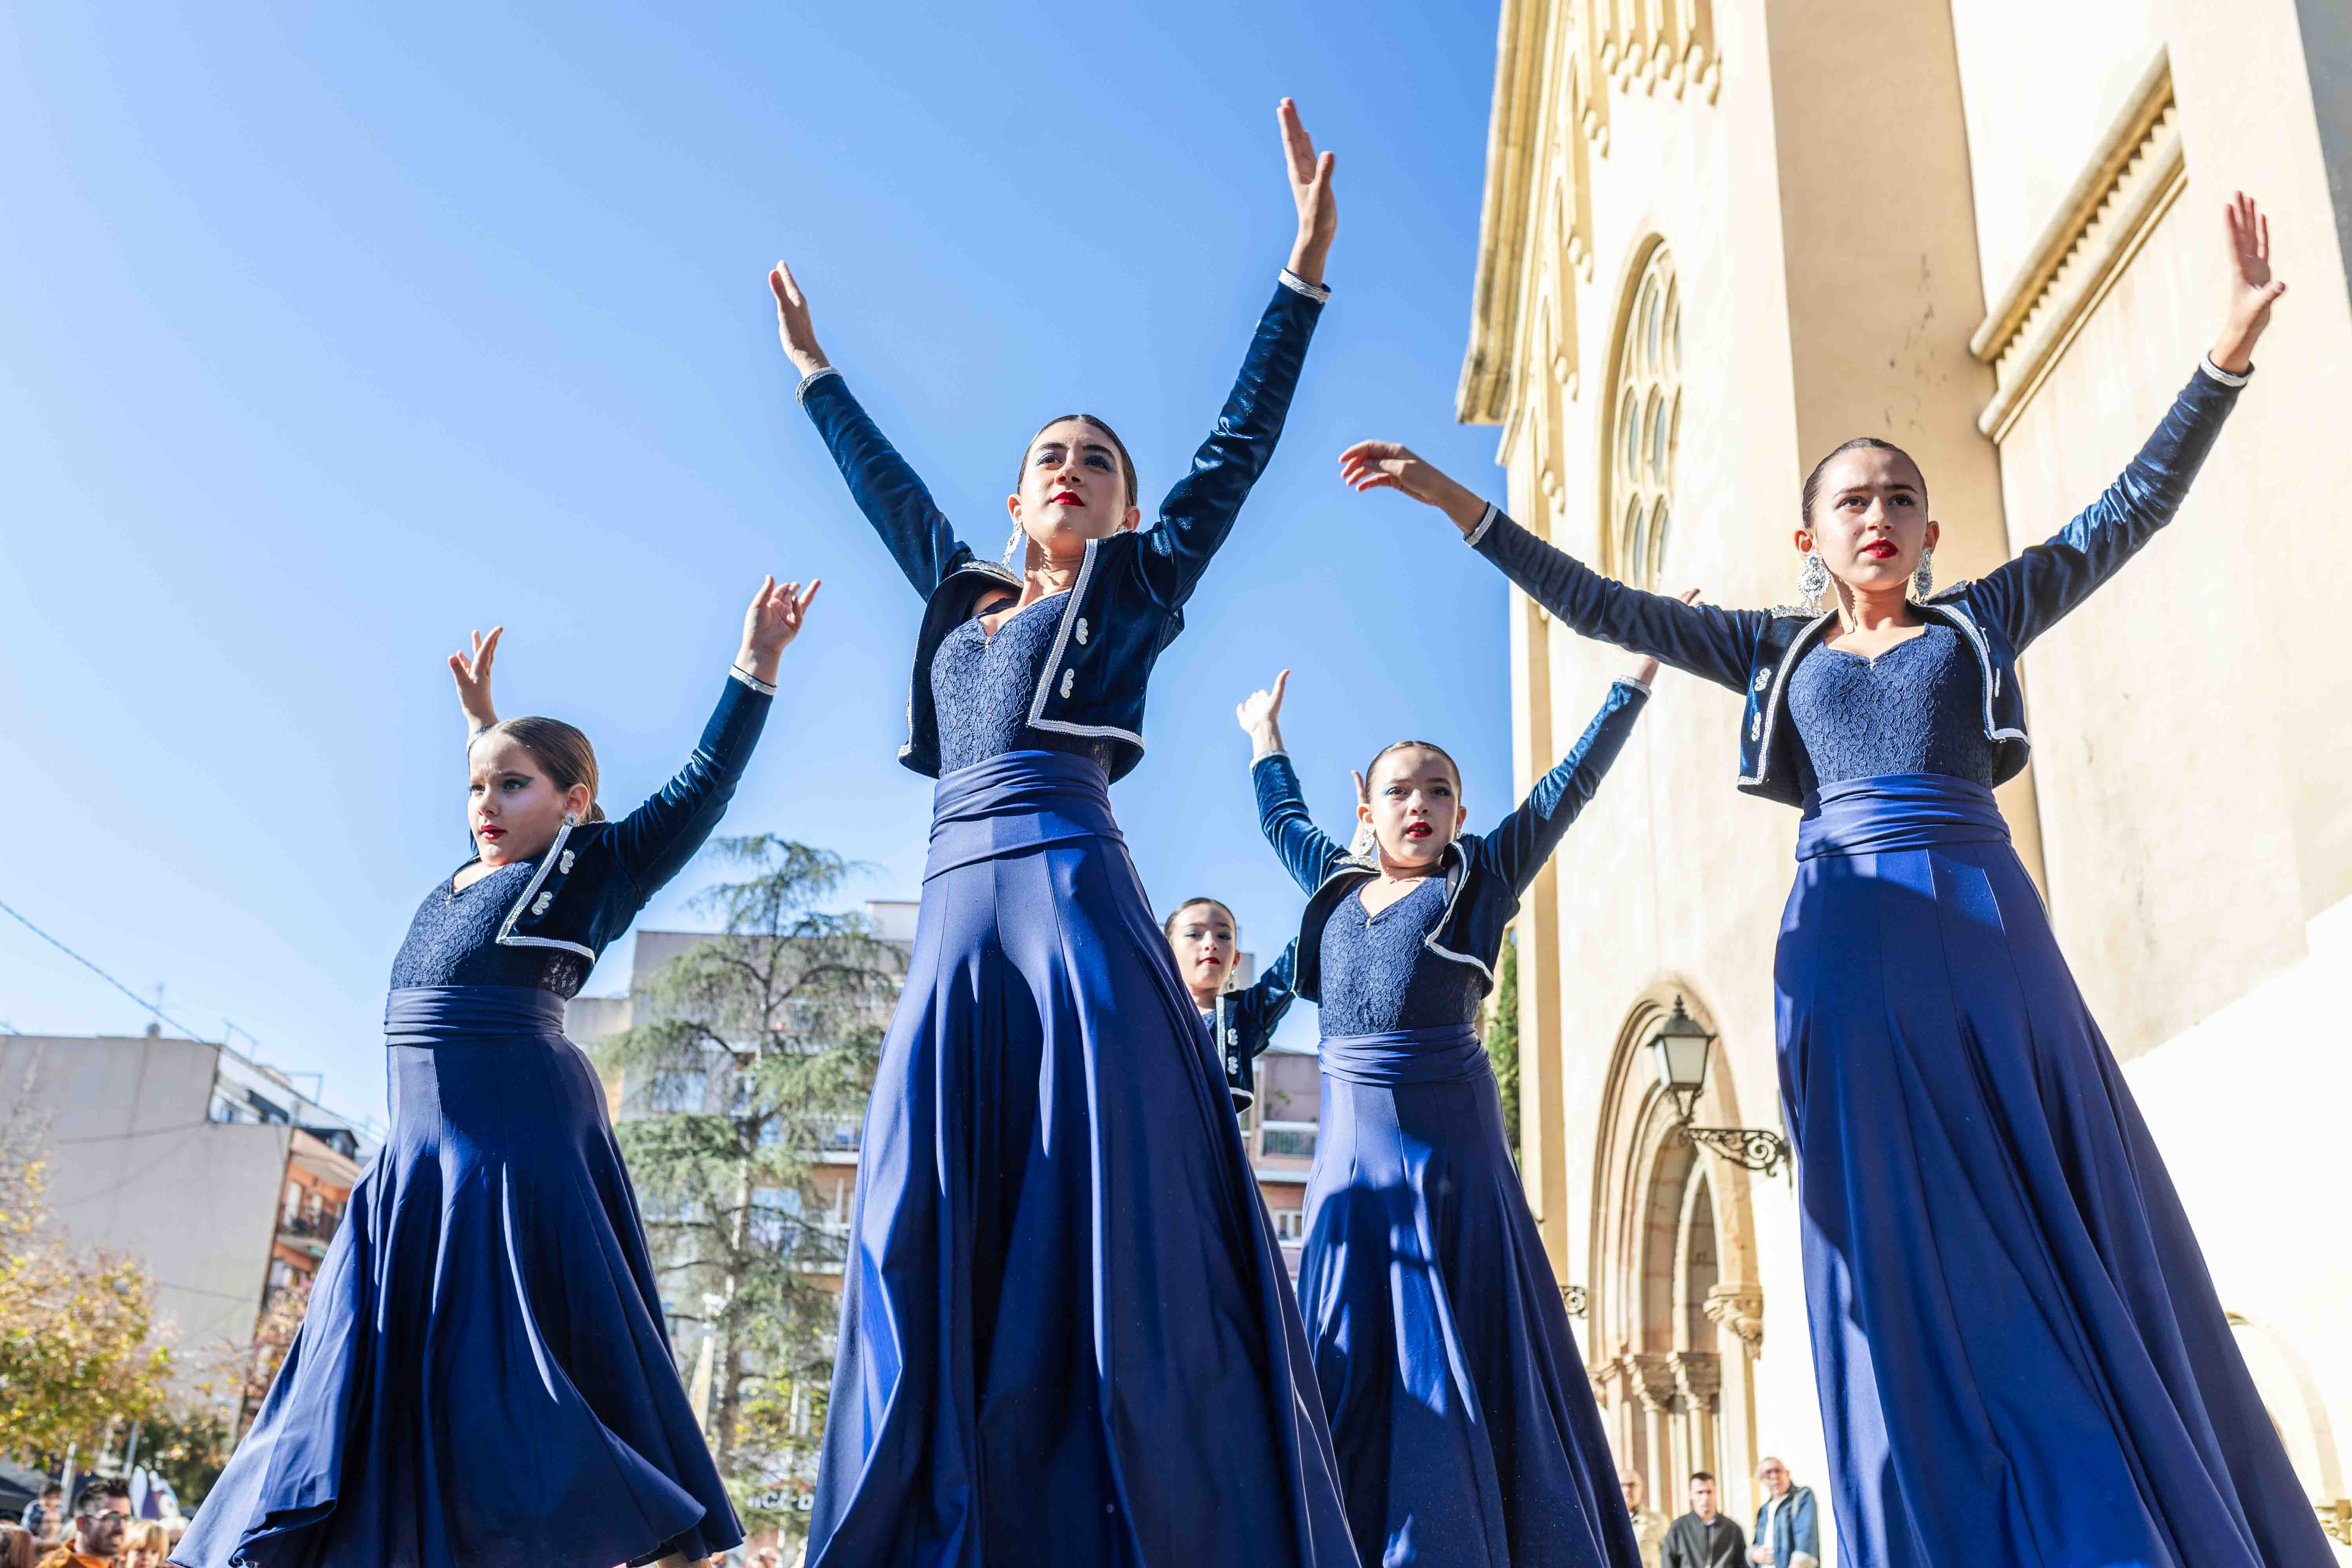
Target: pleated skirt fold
<point>2021,1357</point>
<point>483,1375</point>
<point>1464,1425</point>
<point>1066,1335</point>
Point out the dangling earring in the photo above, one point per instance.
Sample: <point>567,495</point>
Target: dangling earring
<point>1013,543</point>
<point>1814,580</point>
<point>1923,580</point>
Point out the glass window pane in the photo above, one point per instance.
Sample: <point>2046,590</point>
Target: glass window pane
<point>1629,441</point>
<point>1654,436</point>
<point>1633,543</point>
<point>1658,540</point>
<point>1650,321</point>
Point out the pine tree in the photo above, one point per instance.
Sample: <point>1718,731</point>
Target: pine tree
<point>744,1077</point>
<point>1503,1037</point>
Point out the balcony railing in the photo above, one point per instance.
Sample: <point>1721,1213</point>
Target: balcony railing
<point>1288,1140</point>
<point>318,1228</point>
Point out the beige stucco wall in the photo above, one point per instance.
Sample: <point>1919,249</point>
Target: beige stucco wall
<point>133,1167</point>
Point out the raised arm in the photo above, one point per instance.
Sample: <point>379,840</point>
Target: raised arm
<point>2029,595</point>
<point>882,483</point>
<point>652,843</point>
<point>1306,852</point>
<point>1199,512</point>
<point>1526,837</point>
<point>1270,996</point>
<point>1714,645</point>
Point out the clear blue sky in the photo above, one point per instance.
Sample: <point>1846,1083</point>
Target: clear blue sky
<point>327,333</point>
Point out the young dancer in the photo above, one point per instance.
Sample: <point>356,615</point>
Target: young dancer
<point>1241,1020</point>
<point>2020,1353</point>
<point>1465,1429</point>
<point>1067,1336</point>
<point>484,1374</point>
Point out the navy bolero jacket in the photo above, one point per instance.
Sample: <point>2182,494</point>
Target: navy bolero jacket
<point>1485,874</point>
<point>597,876</point>
<point>1127,602</point>
<point>1242,1024</point>
<point>1753,651</point>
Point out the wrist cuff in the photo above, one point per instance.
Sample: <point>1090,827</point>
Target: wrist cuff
<point>1486,521</point>
<point>1268,756</point>
<point>752,680</point>
<point>1641,686</point>
<point>1298,285</point>
<point>800,392</point>
<point>2227,378</point>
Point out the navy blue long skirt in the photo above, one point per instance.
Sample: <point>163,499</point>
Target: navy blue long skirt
<point>1461,1413</point>
<point>1066,1337</point>
<point>2022,1358</point>
<point>482,1375</point>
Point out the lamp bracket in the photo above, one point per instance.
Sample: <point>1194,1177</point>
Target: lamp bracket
<point>1750,1147</point>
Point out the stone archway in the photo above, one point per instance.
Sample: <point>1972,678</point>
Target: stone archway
<point>1674,1311</point>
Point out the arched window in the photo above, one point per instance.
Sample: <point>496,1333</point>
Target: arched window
<point>1647,425</point>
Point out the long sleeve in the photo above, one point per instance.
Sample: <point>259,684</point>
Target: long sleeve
<point>1306,852</point>
<point>1270,998</point>
<point>1717,645</point>
<point>1199,512</point>
<point>886,489</point>
<point>2030,594</point>
<point>652,843</point>
<point>1529,835</point>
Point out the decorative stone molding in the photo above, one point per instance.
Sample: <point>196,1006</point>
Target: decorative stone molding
<point>1556,61</point>
<point>1699,1375</point>
<point>2132,179</point>
<point>1738,1309</point>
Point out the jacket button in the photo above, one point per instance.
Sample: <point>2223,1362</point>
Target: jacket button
<point>1082,629</point>
<point>1763,677</point>
<point>538,905</point>
<point>1756,728</point>
<point>564,863</point>
<point>1069,679</point>
<point>1233,1064</point>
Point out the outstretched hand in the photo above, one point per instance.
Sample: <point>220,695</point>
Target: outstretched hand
<point>1394,466</point>
<point>2253,290</point>
<point>1260,715</point>
<point>1310,191</point>
<point>771,623</point>
<point>792,324</point>
<point>474,681</point>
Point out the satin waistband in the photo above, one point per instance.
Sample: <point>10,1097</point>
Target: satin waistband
<point>1016,802</point>
<point>1448,1054</point>
<point>461,1014</point>
<point>1898,811</point>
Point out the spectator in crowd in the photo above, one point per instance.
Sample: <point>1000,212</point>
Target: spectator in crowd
<point>1649,1524</point>
<point>105,1494</point>
<point>93,1542</point>
<point>44,1517</point>
<point>1788,1531</point>
<point>1704,1538</point>
<point>143,1545</point>
<point>17,1545</point>
<point>173,1528</point>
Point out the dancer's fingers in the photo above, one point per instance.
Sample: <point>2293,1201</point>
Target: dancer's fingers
<point>809,597</point>
<point>1280,681</point>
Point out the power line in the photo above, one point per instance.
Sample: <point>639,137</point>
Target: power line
<point>226,1027</point>
<point>101,973</point>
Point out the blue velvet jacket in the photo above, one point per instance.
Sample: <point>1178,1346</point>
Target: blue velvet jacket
<point>1128,602</point>
<point>1753,651</point>
<point>1485,874</point>
<point>597,876</point>
<point>1242,1024</point>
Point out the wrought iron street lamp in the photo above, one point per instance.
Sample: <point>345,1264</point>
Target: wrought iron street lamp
<point>1679,1052</point>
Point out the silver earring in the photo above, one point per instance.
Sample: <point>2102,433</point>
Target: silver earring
<point>1814,580</point>
<point>1923,580</point>
<point>1013,543</point>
